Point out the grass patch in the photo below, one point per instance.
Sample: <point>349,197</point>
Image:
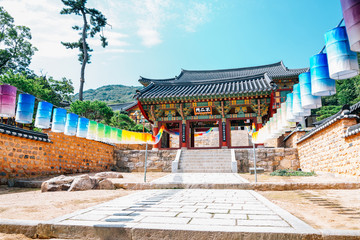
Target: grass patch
<point>288,172</point>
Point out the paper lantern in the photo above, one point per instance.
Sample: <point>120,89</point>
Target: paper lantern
<point>107,137</point>
<point>59,119</point>
<point>298,110</point>
<point>308,101</point>
<point>351,13</point>
<point>25,108</point>
<point>82,127</point>
<point>289,108</point>
<point>71,124</point>
<point>119,136</point>
<point>321,83</point>
<point>92,131</point>
<point>342,61</point>
<point>43,115</point>
<point>113,135</point>
<point>7,101</point>
<point>100,132</point>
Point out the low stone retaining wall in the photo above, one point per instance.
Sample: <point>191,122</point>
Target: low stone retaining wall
<point>270,159</point>
<point>134,160</point>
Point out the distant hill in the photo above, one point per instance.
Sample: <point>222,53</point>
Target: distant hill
<point>110,94</point>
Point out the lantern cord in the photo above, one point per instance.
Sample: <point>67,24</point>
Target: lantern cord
<point>341,21</point>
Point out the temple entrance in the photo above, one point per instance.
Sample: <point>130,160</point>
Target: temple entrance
<point>171,136</point>
<point>204,134</point>
<point>239,136</point>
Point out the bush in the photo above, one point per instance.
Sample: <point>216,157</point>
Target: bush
<point>288,172</point>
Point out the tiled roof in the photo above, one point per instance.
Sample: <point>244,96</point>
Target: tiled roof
<point>122,106</point>
<point>275,70</point>
<point>214,87</point>
<point>352,130</point>
<point>344,114</point>
<point>19,132</point>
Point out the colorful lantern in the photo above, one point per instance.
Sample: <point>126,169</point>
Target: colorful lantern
<point>351,10</point>
<point>7,101</point>
<point>321,83</point>
<point>92,131</point>
<point>59,118</point>
<point>119,136</point>
<point>25,108</point>
<point>308,101</point>
<point>100,132</point>
<point>298,110</point>
<point>107,134</point>
<point>289,108</point>
<point>43,115</point>
<point>113,135</point>
<point>343,63</point>
<point>71,124</point>
<point>82,127</point>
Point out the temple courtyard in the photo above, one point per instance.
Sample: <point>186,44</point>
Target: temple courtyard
<point>188,213</point>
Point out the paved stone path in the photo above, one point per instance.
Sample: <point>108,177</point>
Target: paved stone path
<point>201,178</point>
<point>190,209</point>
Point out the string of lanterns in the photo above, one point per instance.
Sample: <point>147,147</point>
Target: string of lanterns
<point>338,63</point>
<point>63,122</point>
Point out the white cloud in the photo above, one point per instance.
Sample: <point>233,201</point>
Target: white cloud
<point>197,14</point>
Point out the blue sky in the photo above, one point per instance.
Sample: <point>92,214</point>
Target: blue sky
<point>156,38</point>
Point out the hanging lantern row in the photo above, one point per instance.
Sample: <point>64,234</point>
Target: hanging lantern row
<point>68,123</point>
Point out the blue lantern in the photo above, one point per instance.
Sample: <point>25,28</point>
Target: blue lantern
<point>25,108</point>
<point>43,115</point>
<point>289,108</point>
<point>321,83</point>
<point>298,110</point>
<point>71,124</point>
<point>308,101</point>
<point>343,63</point>
<point>59,118</point>
<point>82,127</point>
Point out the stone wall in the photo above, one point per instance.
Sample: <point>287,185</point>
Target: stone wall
<point>23,158</point>
<point>329,151</point>
<point>290,142</point>
<point>270,159</point>
<point>133,160</point>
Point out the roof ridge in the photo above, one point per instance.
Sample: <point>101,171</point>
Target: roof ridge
<point>218,80</point>
<point>152,79</point>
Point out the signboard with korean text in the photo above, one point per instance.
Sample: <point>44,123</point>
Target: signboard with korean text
<point>202,110</point>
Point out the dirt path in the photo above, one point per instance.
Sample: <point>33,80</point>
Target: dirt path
<point>322,209</point>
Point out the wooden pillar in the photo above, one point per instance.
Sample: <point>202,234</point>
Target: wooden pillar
<point>155,132</point>
<point>183,136</point>
<point>192,140</point>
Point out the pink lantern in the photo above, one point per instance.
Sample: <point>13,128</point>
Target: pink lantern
<point>351,13</point>
<point>7,101</point>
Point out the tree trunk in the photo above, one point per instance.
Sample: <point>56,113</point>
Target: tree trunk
<point>85,51</point>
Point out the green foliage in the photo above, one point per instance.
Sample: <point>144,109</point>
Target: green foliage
<point>327,111</point>
<point>122,121</point>
<point>139,128</point>
<point>48,89</point>
<point>95,110</point>
<point>110,94</point>
<point>16,50</point>
<point>289,172</point>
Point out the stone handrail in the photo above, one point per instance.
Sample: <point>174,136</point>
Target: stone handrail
<point>233,162</point>
<point>175,163</point>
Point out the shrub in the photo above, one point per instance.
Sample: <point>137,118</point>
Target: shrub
<point>289,172</point>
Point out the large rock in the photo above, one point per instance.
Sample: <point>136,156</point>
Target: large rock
<point>83,182</point>
<point>60,183</point>
<point>105,184</point>
<point>108,175</point>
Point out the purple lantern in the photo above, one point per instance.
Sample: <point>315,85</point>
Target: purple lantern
<point>351,13</point>
<point>7,101</point>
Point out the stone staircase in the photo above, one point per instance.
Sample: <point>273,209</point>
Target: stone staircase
<point>205,161</point>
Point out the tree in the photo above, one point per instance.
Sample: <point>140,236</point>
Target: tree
<point>97,23</point>
<point>95,110</point>
<point>48,89</point>
<point>123,121</point>
<point>16,51</point>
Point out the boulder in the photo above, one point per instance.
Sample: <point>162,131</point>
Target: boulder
<point>105,184</point>
<point>82,183</point>
<point>108,175</point>
<point>57,184</point>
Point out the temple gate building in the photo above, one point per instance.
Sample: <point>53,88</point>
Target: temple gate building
<point>218,102</point>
